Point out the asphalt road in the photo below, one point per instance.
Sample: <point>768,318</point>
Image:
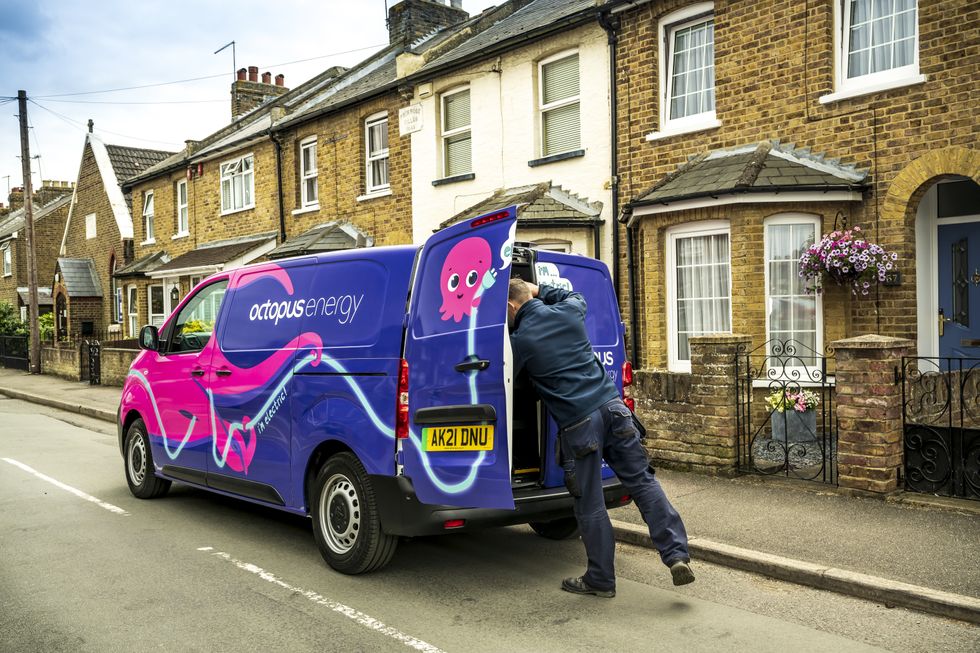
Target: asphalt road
<point>84,566</point>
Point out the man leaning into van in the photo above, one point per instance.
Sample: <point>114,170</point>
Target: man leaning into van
<point>549,340</point>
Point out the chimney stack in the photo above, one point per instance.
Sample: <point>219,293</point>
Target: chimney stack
<point>410,20</point>
<point>247,94</point>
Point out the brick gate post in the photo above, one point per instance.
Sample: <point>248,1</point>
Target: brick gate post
<point>869,411</point>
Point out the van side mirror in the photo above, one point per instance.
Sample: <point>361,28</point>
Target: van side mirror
<point>149,338</point>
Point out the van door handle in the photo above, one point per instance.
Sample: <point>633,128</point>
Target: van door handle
<point>222,372</point>
<point>197,372</point>
<point>472,364</point>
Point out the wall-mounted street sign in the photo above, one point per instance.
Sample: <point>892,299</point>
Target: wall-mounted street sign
<point>410,119</point>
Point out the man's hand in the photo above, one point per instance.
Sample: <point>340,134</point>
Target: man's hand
<point>533,288</point>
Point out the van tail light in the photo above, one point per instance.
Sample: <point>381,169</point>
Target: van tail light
<point>627,382</point>
<point>401,414</point>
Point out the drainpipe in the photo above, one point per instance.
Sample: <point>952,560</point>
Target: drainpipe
<point>631,274</point>
<point>282,211</point>
<point>611,24</point>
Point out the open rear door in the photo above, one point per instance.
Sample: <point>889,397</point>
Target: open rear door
<point>458,450</point>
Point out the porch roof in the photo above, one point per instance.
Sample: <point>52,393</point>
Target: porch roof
<point>141,266</point>
<point>541,204</point>
<point>214,255</point>
<point>329,237</point>
<point>766,167</point>
<point>79,277</point>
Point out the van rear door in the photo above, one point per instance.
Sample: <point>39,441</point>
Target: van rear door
<point>458,449</point>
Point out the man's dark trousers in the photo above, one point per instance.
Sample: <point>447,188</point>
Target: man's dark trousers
<point>608,432</point>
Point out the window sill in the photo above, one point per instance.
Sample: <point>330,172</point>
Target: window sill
<point>574,154</point>
<point>8,274</point>
<point>232,211</point>
<point>469,176</point>
<point>689,129</point>
<point>151,241</point>
<point>180,234</point>
<point>306,209</point>
<point>374,195</point>
<point>869,89</point>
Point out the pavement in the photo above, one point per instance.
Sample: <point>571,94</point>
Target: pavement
<point>909,550</point>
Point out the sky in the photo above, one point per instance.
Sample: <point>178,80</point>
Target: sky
<point>59,51</point>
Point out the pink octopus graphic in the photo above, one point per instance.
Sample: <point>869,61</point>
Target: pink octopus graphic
<point>465,275</point>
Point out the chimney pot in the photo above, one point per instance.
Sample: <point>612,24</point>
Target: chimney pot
<point>253,73</point>
<point>280,80</point>
<point>241,74</point>
<point>267,77</point>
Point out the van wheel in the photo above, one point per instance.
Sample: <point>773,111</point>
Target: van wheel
<point>345,518</point>
<point>139,465</point>
<point>559,529</point>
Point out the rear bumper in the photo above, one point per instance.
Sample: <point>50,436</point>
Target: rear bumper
<point>402,513</point>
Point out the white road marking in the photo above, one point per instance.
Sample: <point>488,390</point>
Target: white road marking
<point>359,617</point>
<point>67,488</point>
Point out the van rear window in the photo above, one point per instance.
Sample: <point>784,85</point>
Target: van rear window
<point>602,321</point>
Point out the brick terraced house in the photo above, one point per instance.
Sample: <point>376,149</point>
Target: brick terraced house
<point>50,215</point>
<point>97,239</point>
<point>749,129</point>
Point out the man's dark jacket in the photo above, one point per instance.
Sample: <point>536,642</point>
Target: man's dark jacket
<point>549,340</point>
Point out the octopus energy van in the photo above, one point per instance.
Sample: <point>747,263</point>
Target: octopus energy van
<point>370,389</point>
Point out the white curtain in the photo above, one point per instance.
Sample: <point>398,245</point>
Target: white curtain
<point>792,314</point>
<point>703,288</point>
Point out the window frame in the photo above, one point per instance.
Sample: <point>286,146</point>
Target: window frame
<point>558,104</point>
<point>845,87</point>
<point>689,230</point>
<point>149,305</point>
<point>371,188</point>
<point>791,218</point>
<point>222,178</point>
<point>310,142</point>
<point>8,262</point>
<point>148,203</point>
<point>183,224</point>
<point>91,226</point>
<point>667,27</point>
<point>187,304</point>
<point>446,135</point>
<point>132,308</point>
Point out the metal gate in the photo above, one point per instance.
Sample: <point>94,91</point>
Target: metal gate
<point>14,352</point>
<point>941,425</point>
<point>793,443</point>
<point>94,362</point>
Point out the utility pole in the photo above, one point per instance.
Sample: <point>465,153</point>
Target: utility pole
<point>34,348</point>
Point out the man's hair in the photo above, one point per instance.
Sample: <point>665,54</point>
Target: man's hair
<point>518,292</point>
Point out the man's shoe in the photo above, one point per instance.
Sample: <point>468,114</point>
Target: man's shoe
<point>681,572</point>
<point>579,586</point>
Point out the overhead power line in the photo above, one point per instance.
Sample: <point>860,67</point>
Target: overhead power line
<point>79,125</point>
<point>124,102</point>
<point>197,79</point>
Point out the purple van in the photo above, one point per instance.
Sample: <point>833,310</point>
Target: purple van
<point>369,389</point>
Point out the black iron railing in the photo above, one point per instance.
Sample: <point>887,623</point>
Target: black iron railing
<point>14,352</point>
<point>774,435</point>
<point>941,425</point>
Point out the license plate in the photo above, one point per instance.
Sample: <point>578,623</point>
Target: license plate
<point>458,438</point>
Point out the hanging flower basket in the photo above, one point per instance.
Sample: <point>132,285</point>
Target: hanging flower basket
<point>846,258</point>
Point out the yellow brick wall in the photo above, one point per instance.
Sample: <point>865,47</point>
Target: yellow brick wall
<point>773,62</point>
<point>341,180</point>
<point>91,197</point>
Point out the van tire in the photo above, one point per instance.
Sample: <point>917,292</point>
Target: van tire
<point>346,524</point>
<point>559,529</point>
<point>138,464</point>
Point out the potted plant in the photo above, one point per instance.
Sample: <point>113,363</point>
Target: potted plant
<point>847,258</point>
<point>794,415</point>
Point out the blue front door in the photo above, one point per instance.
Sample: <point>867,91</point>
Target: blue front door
<point>959,289</point>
